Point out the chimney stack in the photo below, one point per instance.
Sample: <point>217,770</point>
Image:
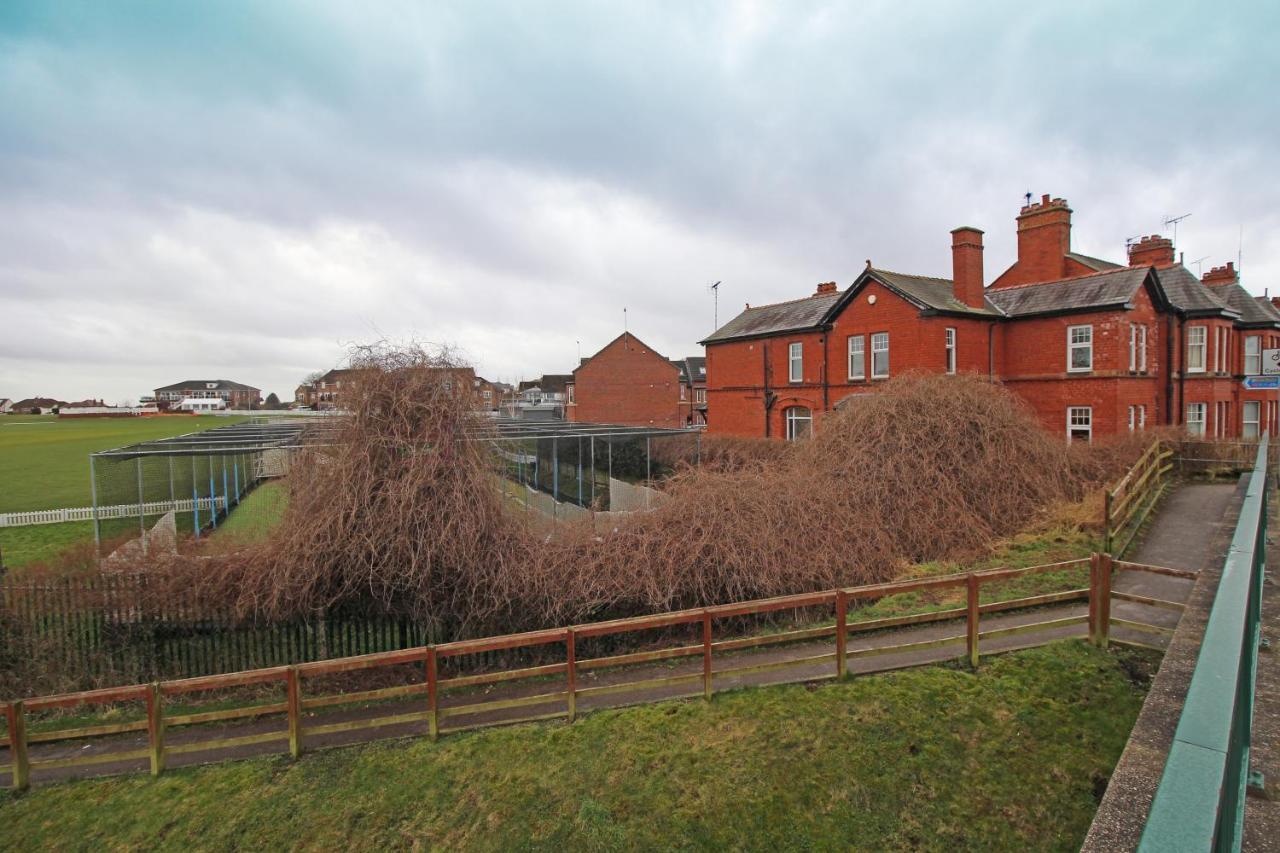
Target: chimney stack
<point>1151,251</point>
<point>1219,276</point>
<point>966,266</point>
<point>1044,238</point>
<point>825,287</point>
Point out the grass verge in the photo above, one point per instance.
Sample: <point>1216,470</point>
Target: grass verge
<point>1012,757</point>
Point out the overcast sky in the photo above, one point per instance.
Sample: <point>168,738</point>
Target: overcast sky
<point>243,190</point>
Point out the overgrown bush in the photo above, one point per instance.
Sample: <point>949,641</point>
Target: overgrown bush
<point>402,512</point>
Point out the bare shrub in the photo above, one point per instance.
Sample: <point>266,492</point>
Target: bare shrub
<point>403,512</point>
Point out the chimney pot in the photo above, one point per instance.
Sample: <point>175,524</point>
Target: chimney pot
<point>1044,199</point>
<point>1151,250</point>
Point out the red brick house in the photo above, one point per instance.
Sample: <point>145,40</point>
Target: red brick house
<point>235,395</point>
<point>627,382</point>
<point>693,389</point>
<point>1095,347</point>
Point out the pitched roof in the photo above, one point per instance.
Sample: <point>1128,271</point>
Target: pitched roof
<point>1188,293</point>
<point>773,319</point>
<point>218,385</point>
<point>1080,293</point>
<point>1097,264</point>
<point>696,367</point>
<point>1253,310</point>
<point>554,382</point>
<point>928,292</point>
<point>684,370</point>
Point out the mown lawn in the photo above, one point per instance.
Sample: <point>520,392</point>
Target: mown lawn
<point>44,464</point>
<point>938,758</point>
<point>255,516</point>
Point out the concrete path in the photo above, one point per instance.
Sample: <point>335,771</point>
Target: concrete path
<point>1182,536</point>
<point>1191,516</point>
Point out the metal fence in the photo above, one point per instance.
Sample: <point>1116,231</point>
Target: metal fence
<point>1200,802</point>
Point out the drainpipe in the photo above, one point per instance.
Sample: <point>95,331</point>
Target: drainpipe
<point>764,354</point>
<point>826,395</point>
<point>991,351</point>
<point>1182,371</point>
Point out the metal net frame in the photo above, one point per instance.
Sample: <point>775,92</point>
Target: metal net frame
<point>199,477</point>
<point>564,468</point>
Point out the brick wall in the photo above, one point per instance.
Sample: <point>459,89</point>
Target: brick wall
<point>627,383</point>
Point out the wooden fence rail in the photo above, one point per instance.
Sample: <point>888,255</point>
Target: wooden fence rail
<point>1127,503</point>
<point>443,703</point>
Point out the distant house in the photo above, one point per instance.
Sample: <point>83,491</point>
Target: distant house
<point>544,397</point>
<point>37,406</point>
<point>334,390</point>
<point>5,405</point>
<point>86,404</point>
<point>693,389</point>
<point>629,382</point>
<point>234,395</point>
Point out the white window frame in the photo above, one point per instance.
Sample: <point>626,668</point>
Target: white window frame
<point>951,349</point>
<point>1253,360</point>
<point>877,339</point>
<point>1073,345</point>
<point>1246,422</point>
<point>1195,418</point>
<point>1201,346</point>
<point>795,361</point>
<point>860,351</point>
<point>1137,348</point>
<point>1080,418</point>
<point>699,395</point>
<point>791,422</point>
<point>569,391</point>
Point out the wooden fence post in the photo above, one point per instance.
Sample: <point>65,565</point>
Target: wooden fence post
<point>1104,599</point>
<point>842,608</point>
<point>17,719</point>
<point>571,670</point>
<point>293,692</point>
<point>1093,598</point>
<point>1106,521</point>
<point>706,656</point>
<point>155,728</point>
<point>433,702</point>
<point>972,583</point>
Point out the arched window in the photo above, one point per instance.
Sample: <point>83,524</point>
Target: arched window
<point>799,421</point>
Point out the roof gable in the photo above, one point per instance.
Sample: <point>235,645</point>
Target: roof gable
<point>630,343</point>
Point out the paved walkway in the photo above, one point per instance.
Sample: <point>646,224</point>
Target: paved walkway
<point>1191,515</point>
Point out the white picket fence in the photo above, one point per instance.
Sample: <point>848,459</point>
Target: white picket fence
<point>85,513</point>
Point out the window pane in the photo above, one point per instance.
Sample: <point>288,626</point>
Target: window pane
<point>880,355</point>
<point>857,357</point>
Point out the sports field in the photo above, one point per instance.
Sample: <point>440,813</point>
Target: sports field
<point>44,464</point>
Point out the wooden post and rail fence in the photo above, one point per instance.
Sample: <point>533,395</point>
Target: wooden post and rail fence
<point>421,697</point>
<point>1128,503</point>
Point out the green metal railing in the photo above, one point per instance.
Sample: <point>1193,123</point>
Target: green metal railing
<point>1199,804</point>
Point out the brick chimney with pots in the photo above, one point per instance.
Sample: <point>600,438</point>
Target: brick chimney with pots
<point>1151,251</point>
<point>1218,276</point>
<point>825,287</point>
<point>1044,238</point>
<point>966,266</point>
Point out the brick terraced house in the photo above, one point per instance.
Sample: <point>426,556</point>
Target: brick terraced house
<point>629,382</point>
<point>1096,348</point>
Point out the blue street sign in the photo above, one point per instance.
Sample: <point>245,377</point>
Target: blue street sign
<point>1261,383</point>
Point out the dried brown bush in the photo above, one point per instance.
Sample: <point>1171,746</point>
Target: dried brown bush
<point>402,512</point>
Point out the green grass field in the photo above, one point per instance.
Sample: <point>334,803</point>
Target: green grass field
<point>255,517</point>
<point>1013,757</point>
<point>44,464</point>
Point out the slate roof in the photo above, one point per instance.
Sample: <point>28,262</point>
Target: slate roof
<point>684,371</point>
<point>695,367</point>
<point>1094,263</point>
<point>779,317</point>
<point>1253,310</point>
<point>1188,293</point>
<point>1081,293</point>
<point>202,384</point>
<point>928,292</point>
<point>554,382</point>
